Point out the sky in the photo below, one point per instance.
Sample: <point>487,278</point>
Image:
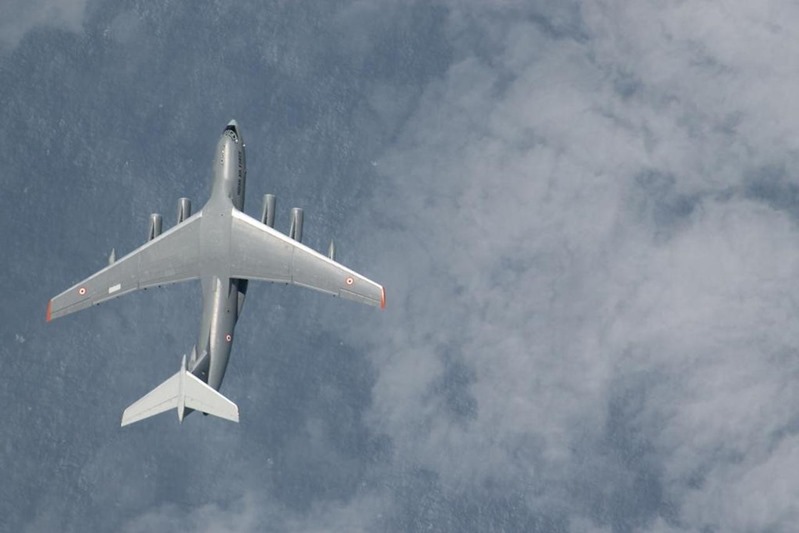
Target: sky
<point>585,215</point>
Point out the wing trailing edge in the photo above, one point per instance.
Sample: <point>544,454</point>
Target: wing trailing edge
<point>171,257</point>
<point>263,253</point>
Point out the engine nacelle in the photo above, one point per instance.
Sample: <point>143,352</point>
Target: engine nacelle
<point>156,222</point>
<point>268,214</point>
<point>295,231</point>
<point>184,209</point>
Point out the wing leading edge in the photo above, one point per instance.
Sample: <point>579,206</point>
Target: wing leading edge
<point>260,252</point>
<point>169,258</point>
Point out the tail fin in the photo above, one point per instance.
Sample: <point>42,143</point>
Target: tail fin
<point>182,391</point>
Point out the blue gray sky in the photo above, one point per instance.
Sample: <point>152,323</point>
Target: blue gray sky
<point>585,215</point>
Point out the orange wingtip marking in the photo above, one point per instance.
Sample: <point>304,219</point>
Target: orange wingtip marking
<point>383,298</point>
<point>49,309</point>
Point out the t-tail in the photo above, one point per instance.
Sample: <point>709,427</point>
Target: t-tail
<point>183,391</point>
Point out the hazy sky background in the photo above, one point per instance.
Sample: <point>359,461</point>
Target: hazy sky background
<point>585,215</point>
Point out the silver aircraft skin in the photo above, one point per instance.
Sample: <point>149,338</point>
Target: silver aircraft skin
<point>224,248</point>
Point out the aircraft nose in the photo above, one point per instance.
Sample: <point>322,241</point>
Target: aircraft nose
<point>233,127</point>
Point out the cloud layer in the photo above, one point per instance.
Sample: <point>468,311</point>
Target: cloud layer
<point>603,265</point>
<point>584,213</point>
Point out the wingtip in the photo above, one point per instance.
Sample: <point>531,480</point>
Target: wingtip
<point>49,310</point>
<point>382,298</point>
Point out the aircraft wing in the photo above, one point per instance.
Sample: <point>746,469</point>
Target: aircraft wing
<point>171,257</point>
<point>260,252</point>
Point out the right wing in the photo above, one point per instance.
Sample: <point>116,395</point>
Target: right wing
<point>260,252</point>
<point>169,258</point>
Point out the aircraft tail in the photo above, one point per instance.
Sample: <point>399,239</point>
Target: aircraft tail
<point>183,391</point>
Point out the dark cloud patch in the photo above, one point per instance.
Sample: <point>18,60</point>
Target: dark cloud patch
<point>663,209</point>
<point>638,496</point>
<point>452,387</point>
<point>627,84</point>
<point>314,444</point>
<point>424,503</point>
<point>773,186</point>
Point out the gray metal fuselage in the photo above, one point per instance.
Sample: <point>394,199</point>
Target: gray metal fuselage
<point>223,296</point>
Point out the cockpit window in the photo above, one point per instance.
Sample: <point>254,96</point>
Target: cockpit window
<point>230,132</point>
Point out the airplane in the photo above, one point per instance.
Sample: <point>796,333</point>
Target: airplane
<point>223,248</point>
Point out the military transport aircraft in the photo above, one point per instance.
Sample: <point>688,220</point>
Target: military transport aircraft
<point>223,248</point>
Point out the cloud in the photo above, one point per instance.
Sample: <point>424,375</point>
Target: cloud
<point>576,240</point>
<point>254,512</point>
<point>585,216</point>
<point>21,16</point>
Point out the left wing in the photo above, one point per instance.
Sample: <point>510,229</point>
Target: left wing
<point>169,258</point>
<point>260,252</point>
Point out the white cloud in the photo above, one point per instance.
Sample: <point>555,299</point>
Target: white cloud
<point>20,16</point>
<point>575,225</point>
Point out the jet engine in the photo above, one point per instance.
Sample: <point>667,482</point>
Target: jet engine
<point>184,209</point>
<point>268,214</point>
<point>156,221</point>
<point>295,231</point>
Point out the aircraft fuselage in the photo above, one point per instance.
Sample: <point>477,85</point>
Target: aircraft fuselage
<point>223,296</point>
<point>224,248</point>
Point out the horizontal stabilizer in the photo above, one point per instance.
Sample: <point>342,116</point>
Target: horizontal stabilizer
<point>182,391</point>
